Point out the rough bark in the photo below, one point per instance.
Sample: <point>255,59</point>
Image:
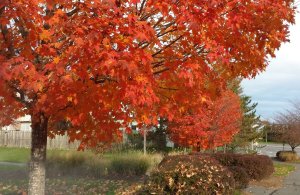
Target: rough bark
<point>145,141</point>
<point>293,148</point>
<point>37,174</point>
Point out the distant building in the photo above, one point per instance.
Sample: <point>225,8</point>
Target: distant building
<point>24,124</point>
<point>21,124</point>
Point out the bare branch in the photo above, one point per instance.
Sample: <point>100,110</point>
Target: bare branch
<point>169,88</point>
<point>167,46</point>
<point>142,7</point>
<point>161,71</point>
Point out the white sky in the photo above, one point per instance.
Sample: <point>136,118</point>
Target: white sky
<point>275,88</point>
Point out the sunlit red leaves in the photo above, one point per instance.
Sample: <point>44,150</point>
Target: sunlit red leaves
<point>96,63</point>
<point>212,125</point>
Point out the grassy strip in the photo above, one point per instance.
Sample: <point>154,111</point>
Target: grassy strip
<point>269,142</point>
<point>283,169</point>
<point>238,192</point>
<point>18,155</point>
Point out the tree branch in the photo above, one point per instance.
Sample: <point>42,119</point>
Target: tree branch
<point>167,46</point>
<point>169,88</point>
<point>161,71</point>
<point>142,7</point>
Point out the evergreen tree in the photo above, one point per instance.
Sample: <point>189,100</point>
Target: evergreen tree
<point>250,124</point>
<point>158,137</point>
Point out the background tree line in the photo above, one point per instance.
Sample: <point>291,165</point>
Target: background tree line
<point>251,127</point>
<point>286,127</point>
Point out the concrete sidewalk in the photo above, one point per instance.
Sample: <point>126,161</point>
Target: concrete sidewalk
<point>291,185</point>
<point>13,163</point>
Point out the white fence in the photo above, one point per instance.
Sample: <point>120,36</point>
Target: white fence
<point>22,139</point>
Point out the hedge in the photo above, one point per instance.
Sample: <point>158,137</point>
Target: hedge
<point>189,174</point>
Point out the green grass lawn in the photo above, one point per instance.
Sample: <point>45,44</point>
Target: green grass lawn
<point>73,172</point>
<point>283,169</point>
<point>18,155</point>
<point>86,182</point>
<point>22,155</point>
<point>269,142</point>
<point>14,180</point>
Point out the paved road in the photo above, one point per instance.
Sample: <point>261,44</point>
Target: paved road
<point>14,164</point>
<point>271,149</point>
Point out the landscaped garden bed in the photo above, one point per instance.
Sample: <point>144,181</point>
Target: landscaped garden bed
<point>71,172</point>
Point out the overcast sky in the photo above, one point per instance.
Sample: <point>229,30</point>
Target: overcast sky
<point>275,88</point>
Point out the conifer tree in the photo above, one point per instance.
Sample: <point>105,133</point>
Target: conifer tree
<point>250,124</point>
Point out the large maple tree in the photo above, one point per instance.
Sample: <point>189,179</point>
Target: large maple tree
<point>86,68</point>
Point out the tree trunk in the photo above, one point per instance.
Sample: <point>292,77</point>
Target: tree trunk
<point>37,171</point>
<point>145,141</point>
<point>224,147</point>
<point>293,149</point>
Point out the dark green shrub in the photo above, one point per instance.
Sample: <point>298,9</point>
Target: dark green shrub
<point>136,140</point>
<point>129,167</point>
<point>240,176</point>
<point>256,166</point>
<point>287,155</point>
<point>189,174</point>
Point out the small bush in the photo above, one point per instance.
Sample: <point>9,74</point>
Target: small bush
<point>67,158</point>
<point>74,163</point>
<point>256,166</point>
<point>240,176</point>
<point>287,155</point>
<point>87,163</point>
<point>63,162</point>
<point>129,167</point>
<point>189,174</point>
<point>283,169</point>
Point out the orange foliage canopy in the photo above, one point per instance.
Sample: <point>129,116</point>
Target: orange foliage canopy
<point>214,127</point>
<point>98,65</point>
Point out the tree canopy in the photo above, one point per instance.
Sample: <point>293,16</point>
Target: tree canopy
<point>96,63</point>
<point>287,127</point>
<point>216,126</point>
<point>94,66</point>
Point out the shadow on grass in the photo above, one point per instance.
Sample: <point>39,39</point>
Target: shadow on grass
<point>14,180</point>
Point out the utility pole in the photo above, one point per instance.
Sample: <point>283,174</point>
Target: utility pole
<point>271,126</point>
